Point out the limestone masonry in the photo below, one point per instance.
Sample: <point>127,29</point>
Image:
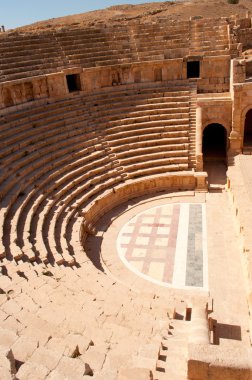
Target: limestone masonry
<point>126,200</point>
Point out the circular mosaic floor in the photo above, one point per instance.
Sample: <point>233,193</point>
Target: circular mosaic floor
<point>167,245</point>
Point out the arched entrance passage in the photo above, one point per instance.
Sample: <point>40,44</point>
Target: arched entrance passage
<point>214,149</point>
<point>214,145</point>
<point>248,129</point>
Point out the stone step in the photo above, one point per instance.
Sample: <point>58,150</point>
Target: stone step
<point>170,144</point>
<point>182,155</point>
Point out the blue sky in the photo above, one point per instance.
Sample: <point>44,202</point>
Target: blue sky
<point>14,13</point>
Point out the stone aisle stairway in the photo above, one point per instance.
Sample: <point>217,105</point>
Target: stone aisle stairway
<point>192,129</point>
<point>113,159</point>
<point>172,361</point>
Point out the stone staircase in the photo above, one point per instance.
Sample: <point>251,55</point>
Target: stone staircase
<point>192,129</point>
<point>172,360</point>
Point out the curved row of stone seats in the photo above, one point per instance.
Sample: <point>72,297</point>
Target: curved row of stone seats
<point>45,55</point>
<point>122,43</point>
<point>94,178</point>
<point>37,147</point>
<point>146,130</point>
<point>40,202</point>
<point>35,139</point>
<point>135,42</point>
<point>31,204</point>
<point>66,164</point>
<point>89,47</point>
<point>157,41</point>
<point>209,37</point>
<point>58,158</point>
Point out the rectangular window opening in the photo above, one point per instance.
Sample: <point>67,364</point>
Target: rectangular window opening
<point>193,69</point>
<point>73,82</point>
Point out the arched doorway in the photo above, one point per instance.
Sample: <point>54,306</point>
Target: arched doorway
<point>214,149</point>
<point>214,144</point>
<point>247,141</point>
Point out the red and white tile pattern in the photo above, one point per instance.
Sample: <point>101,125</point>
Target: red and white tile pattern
<point>153,244</point>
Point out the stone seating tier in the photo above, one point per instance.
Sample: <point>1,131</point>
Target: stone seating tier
<point>10,45</point>
<point>17,161</point>
<point>173,142</point>
<point>23,56</point>
<point>162,117</point>
<point>30,146</point>
<point>58,159</point>
<point>26,115</point>
<point>44,56</point>
<point>89,183</point>
<point>71,164</point>
<point>90,47</point>
<point>9,66</point>
<point>38,160</point>
<point>158,92</point>
<point>209,38</point>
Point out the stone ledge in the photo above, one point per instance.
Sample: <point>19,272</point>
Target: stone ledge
<point>208,362</point>
<point>184,180</point>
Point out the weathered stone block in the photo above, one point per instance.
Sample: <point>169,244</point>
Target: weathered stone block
<point>135,374</point>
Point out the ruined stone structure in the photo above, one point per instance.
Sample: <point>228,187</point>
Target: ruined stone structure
<point>90,120</point>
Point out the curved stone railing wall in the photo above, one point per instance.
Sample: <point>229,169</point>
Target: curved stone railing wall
<point>214,77</point>
<point>184,180</point>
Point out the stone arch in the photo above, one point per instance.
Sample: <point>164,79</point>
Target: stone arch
<point>215,120</point>
<point>214,142</point>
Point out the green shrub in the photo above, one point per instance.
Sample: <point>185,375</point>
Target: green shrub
<point>233,1</point>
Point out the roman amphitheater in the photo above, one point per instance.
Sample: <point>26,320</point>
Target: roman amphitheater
<point>126,195</point>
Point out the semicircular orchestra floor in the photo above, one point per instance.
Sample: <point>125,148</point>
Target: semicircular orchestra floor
<point>181,248</point>
<point>167,245</point>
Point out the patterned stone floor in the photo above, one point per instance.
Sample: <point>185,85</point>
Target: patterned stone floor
<point>167,245</point>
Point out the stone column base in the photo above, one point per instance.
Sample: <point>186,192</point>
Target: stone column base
<point>201,178</point>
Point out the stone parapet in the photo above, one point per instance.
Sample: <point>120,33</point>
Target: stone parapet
<point>139,187</point>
